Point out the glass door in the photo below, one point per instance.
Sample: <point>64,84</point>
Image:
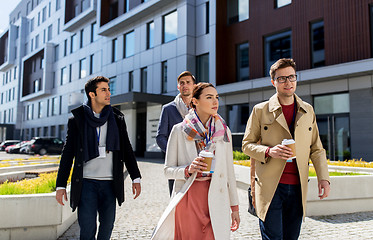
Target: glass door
<point>333,119</point>
<point>335,135</point>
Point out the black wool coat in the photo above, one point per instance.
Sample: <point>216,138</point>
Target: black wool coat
<point>73,152</point>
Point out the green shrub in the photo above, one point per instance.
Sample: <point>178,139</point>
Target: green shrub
<point>237,155</point>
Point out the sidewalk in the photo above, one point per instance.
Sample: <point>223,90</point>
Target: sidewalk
<point>136,219</point>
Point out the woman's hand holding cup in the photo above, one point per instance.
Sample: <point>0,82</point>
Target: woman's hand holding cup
<point>197,165</point>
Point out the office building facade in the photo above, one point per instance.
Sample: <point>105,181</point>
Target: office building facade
<point>52,47</point>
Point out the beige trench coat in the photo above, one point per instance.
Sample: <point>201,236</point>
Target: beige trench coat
<point>267,123</point>
<point>222,192</point>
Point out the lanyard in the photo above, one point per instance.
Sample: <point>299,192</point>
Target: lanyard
<point>209,134</point>
<point>98,135</point>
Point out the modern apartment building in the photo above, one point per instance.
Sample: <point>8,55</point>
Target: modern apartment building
<point>332,44</point>
<point>52,47</point>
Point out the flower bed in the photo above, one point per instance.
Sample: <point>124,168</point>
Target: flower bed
<point>45,183</point>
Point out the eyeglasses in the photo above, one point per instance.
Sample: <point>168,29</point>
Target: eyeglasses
<point>282,79</point>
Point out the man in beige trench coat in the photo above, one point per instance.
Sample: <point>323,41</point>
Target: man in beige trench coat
<point>281,182</point>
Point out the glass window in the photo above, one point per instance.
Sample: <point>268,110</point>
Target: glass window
<point>238,10</point>
<point>44,14</point>
<point>58,4</point>
<point>281,3</point>
<point>243,70</point>
<point>76,10</point>
<point>85,5</point>
<point>36,85</point>
<point>371,29</point>
<point>29,112</point>
<point>317,44</point>
<point>93,32</point>
<point>150,35</point>
<point>60,106</point>
<point>49,9</point>
<point>55,106</point>
<point>44,35</point>
<point>202,69</point>
<point>31,25</point>
<point>276,46</point>
<point>38,18</point>
<point>32,45</point>
<point>28,8</point>
<point>113,10</point>
<point>127,6</point>
<point>64,78</point>
<point>237,117</point>
<point>40,110</point>
<point>144,79</point>
<point>73,44</point>
<point>129,44</point>
<point>50,32</point>
<point>70,72</point>
<point>207,7</point>
<point>58,26</point>
<point>170,27</point>
<point>82,68</point>
<point>114,47</point>
<point>91,64</point>
<point>47,110</point>
<point>336,103</point>
<point>164,77</point>
<point>56,53</point>
<point>112,84</point>
<point>81,38</point>
<point>65,48</point>
<point>37,41</point>
<point>130,81</point>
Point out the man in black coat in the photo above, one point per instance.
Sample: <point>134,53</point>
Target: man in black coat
<point>97,139</point>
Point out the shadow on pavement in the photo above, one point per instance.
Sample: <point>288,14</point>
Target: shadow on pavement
<point>345,218</point>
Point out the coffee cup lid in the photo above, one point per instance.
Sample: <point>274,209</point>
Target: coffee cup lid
<point>287,141</point>
<point>204,153</point>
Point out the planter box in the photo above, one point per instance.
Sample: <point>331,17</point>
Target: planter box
<point>27,167</point>
<point>34,216</point>
<point>348,194</point>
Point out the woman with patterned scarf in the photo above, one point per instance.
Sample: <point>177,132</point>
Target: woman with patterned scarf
<point>203,206</point>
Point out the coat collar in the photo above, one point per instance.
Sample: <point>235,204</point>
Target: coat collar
<point>79,113</point>
<point>274,103</point>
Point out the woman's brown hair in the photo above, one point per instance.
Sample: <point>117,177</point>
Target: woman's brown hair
<point>197,91</point>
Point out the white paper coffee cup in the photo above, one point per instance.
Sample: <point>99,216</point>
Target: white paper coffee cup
<point>291,144</point>
<point>208,157</point>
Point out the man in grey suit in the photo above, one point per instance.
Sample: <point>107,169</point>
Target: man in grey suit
<point>175,111</point>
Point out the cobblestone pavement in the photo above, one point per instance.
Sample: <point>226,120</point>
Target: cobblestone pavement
<point>136,219</point>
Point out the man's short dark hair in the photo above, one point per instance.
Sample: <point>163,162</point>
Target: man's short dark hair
<point>91,85</point>
<point>186,74</point>
<point>281,63</point>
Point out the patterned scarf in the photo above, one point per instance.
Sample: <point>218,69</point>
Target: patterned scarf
<point>205,138</point>
<point>181,106</point>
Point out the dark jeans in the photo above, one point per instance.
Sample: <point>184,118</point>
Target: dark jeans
<point>284,216</point>
<point>97,196</point>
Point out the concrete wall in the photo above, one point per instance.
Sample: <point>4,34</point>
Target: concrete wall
<point>34,217</point>
<point>348,194</point>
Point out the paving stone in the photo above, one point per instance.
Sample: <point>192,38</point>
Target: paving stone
<point>136,219</point>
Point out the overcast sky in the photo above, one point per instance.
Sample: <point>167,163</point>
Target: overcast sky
<point>6,6</point>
